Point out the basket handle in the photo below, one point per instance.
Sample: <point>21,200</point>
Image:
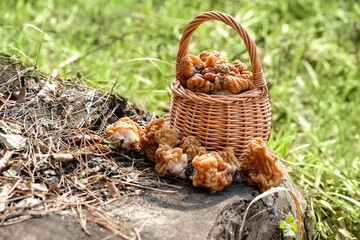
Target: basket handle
<point>256,68</point>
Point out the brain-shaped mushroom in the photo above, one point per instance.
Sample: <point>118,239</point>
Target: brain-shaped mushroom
<point>212,172</point>
<point>166,135</point>
<point>192,147</point>
<point>125,133</point>
<point>155,133</point>
<point>170,161</point>
<point>260,166</point>
<point>228,155</point>
<point>147,139</point>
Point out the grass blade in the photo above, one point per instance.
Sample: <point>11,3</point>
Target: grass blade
<point>269,192</point>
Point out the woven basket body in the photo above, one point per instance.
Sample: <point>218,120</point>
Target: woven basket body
<point>218,121</point>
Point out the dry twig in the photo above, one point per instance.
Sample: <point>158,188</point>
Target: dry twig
<point>5,158</point>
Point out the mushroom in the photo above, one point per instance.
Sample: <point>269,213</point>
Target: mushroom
<point>170,161</point>
<point>147,138</point>
<point>167,135</point>
<point>212,172</point>
<point>237,84</point>
<point>155,133</point>
<point>198,83</point>
<point>189,65</point>
<point>260,166</point>
<point>228,155</point>
<point>210,73</point>
<point>124,133</point>
<point>240,65</point>
<point>204,55</point>
<point>212,59</point>
<point>192,147</point>
<point>197,63</point>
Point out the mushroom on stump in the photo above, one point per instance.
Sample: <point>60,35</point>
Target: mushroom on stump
<point>124,133</point>
<point>170,161</point>
<point>261,166</point>
<point>212,172</point>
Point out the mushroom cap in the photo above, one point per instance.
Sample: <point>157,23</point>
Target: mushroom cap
<point>212,172</point>
<point>126,132</point>
<point>261,166</point>
<point>192,147</point>
<point>170,161</point>
<point>158,132</point>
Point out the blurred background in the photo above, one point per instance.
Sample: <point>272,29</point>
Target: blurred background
<point>309,51</point>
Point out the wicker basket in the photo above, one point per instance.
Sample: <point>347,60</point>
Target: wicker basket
<point>218,121</point>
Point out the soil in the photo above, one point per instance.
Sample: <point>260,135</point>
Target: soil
<point>143,206</point>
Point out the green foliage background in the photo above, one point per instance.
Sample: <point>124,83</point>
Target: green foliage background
<point>309,50</point>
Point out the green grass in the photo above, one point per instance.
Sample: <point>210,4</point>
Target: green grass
<point>309,50</point>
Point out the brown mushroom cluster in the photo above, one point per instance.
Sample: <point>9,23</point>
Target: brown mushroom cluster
<point>159,143</point>
<point>212,170</point>
<point>162,145</point>
<point>210,73</point>
<point>260,167</point>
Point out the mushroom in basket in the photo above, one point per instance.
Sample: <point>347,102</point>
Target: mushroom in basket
<point>210,73</point>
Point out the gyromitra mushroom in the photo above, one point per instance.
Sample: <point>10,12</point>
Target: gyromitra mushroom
<point>236,84</point>
<point>224,68</point>
<point>124,133</point>
<point>260,166</point>
<point>198,83</point>
<point>189,65</point>
<point>171,161</point>
<point>204,55</point>
<point>147,138</point>
<point>240,65</point>
<point>155,133</point>
<point>212,59</point>
<point>212,172</point>
<point>167,135</point>
<point>212,74</point>
<point>228,156</point>
<point>192,147</point>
